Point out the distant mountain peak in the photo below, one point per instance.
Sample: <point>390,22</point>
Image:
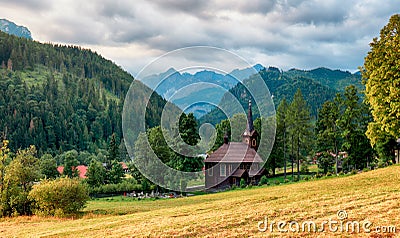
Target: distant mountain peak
<point>258,67</point>
<point>13,29</point>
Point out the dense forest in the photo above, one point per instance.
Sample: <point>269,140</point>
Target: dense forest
<point>60,98</point>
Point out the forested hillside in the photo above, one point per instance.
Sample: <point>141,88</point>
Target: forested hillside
<point>335,79</point>
<point>60,98</point>
<point>281,85</point>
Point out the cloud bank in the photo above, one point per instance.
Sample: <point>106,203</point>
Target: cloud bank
<point>284,33</point>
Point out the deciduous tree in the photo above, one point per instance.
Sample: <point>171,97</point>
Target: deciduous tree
<point>381,74</point>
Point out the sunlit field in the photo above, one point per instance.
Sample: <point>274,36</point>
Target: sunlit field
<point>370,196</point>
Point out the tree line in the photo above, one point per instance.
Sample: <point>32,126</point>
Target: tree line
<point>340,127</point>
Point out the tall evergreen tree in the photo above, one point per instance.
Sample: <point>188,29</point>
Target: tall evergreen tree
<point>48,166</point>
<point>300,127</point>
<point>188,129</point>
<point>353,121</point>
<point>281,131</point>
<point>96,173</point>
<point>116,173</point>
<point>327,129</point>
<point>70,164</point>
<point>113,151</point>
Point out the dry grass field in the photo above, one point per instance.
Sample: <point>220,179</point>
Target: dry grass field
<point>370,196</point>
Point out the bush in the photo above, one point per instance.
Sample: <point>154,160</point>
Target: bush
<point>263,180</point>
<point>341,173</point>
<point>119,188</point>
<point>233,187</point>
<point>286,181</point>
<point>366,170</point>
<point>328,174</point>
<point>60,197</point>
<point>318,175</point>
<point>304,168</point>
<point>354,171</point>
<point>277,182</point>
<point>382,164</point>
<point>242,183</point>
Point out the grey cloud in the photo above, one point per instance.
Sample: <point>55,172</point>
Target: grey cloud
<point>29,4</point>
<point>315,12</point>
<point>115,9</point>
<point>182,5</point>
<point>298,32</point>
<point>256,6</point>
<point>199,9</point>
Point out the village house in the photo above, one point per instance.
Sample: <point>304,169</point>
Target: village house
<point>234,161</point>
<point>82,169</point>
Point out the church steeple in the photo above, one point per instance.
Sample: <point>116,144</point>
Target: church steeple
<point>250,135</point>
<point>250,125</point>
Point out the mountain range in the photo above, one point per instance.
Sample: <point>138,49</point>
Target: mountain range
<point>203,91</point>
<point>197,92</point>
<point>13,29</point>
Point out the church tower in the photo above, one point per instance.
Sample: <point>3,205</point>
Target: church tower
<point>250,135</point>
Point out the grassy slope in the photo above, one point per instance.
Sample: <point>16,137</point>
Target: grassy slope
<point>371,195</point>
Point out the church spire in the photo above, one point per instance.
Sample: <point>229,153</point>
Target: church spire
<point>250,125</point>
<point>250,135</point>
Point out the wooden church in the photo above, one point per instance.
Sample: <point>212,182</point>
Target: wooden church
<point>234,161</point>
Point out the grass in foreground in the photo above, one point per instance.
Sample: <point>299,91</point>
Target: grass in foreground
<point>372,196</point>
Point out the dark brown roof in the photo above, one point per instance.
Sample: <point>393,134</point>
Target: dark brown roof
<point>260,172</point>
<point>234,152</point>
<point>238,173</point>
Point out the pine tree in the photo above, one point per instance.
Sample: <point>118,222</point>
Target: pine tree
<point>300,126</point>
<point>113,152</point>
<point>188,129</point>
<point>281,130</point>
<point>70,164</point>
<point>96,173</point>
<point>353,120</point>
<point>327,129</point>
<point>48,166</point>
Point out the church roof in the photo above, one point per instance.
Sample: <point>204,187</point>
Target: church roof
<point>235,152</point>
<point>238,173</point>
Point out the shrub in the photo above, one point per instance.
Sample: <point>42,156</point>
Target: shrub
<point>366,169</point>
<point>242,183</point>
<point>328,174</point>
<point>286,181</point>
<point>125,186</point>
<point>233,187</point>
<point>341,173</point>
<point>318,175</point>
<point>277,182</point>
<point>263,180</point>
<point>382,164</point>
<point>306,178</point>
<point>304,168</point>
<point>354,171</point>
<point>60,197</point>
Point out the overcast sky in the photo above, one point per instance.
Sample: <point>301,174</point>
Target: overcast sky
<point>283,33</point>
